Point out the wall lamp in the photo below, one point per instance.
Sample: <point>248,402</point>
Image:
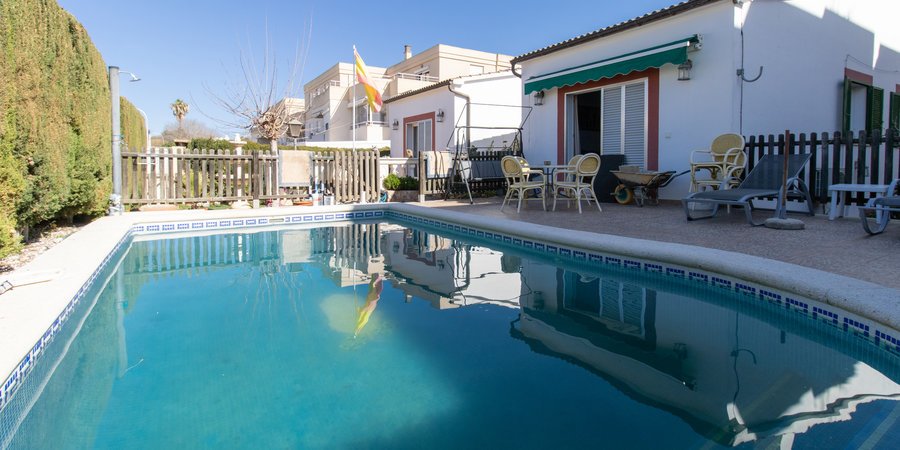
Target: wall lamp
<point>440,115</point>
<point>538,98</point>
<point>395,125</point>
<point>684,70</point>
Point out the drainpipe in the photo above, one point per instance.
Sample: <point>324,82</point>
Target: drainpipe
<point>512,67</point>
<point>468,112</point>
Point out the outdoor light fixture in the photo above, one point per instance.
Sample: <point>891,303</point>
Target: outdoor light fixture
<point>395,125</point>
<point>538,98</point>
<point>440,115</point>
<point>684,70</point>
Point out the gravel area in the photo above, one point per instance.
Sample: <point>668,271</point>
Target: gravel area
<point>35,247</point>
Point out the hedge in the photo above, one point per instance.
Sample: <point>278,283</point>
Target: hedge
<point>55,128</point>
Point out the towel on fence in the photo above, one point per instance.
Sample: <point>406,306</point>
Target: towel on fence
<point>437,164</point>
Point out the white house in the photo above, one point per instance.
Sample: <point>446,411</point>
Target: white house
<point>329,96</point>
<point>663,84</point>
<point>438,116</point>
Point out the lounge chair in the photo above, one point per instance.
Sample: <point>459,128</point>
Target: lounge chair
<point>517,177</point>
<point>725,158</point>
<point>765,180</point>
<point>882,206</point>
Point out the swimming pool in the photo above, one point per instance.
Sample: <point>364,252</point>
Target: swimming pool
<point>286,338</point>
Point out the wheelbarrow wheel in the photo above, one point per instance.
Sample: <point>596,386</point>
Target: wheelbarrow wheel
<point>623,194</point>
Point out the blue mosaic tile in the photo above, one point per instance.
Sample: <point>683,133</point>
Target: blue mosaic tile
<point>613,260</point>
<point>262,221</point>
<point>197,225</point>
<point>250,221</point>
<point>184,226</point>
<point>552,249</point>
<point>212,224</point>
<point>318,218</point>
<point>539,246</point>
<point>696,276</point>
<point>310,218</point>
<point>224,223</point>
<point>238,222</point>
<point>168,227</point>
<point>828,316</point>
<point>721,282</point>
<point>578,254</point>
<point>152,227</point>
<point>770,296</point>
<point>329,216</point>
<point>741,288</point>
<point>369,214</point>
<point>593,257</point>
<point>657,268</point>
<point>848,322</point>
<point>479,233</point>
<point>565,252</point>
<point>671,271</point>
<point>507,239</point>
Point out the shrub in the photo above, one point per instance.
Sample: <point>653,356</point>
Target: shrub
<point>391,182</point>
<point>210,144</point>
<point>408,184</point>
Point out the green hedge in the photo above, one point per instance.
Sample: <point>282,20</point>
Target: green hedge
<point>134,134</point>
<point>55,127</point>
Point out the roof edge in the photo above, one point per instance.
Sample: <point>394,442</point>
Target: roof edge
<point>617,28</point>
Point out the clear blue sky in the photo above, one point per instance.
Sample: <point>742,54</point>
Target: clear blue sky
<point>178,46</point>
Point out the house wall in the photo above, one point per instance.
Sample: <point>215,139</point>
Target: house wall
<point>805,47</point>
<point>691,113</point>
<point>502,89</point>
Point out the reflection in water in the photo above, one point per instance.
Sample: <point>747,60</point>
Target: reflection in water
<point>733,370</point>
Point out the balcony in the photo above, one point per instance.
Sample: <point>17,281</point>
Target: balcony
<point>404,82</point>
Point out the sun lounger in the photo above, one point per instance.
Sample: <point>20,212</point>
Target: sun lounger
<point>882,206</point>
<point>765,180</point>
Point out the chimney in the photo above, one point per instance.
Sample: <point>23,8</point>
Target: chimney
<point>407,51</point>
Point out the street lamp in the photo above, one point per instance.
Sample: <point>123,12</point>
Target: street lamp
<point>116,197</point>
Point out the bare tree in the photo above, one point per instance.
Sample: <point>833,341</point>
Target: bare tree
<point>187,129</point>
<point>254,104</point>
<point>179,110</point>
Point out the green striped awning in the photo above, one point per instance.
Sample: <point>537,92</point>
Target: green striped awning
<point>674,52</point>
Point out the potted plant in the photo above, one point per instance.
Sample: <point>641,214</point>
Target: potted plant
<point>401,189</point>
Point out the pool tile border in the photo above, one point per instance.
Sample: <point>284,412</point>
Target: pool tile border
<point>882,336</point>
<point>847,322</point>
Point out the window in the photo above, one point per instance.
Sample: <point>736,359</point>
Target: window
<point>609,120</point>
<point>418,136</point>
<point>863,106</point>
<point>364,114</point>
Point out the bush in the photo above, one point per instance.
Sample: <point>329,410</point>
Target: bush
<point>408,184</point>
<point>210,144</point>
<point>391,182</point>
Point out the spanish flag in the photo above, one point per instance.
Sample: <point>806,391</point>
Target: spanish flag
<point>372,93</point>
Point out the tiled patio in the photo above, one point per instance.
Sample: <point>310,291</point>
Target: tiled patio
<point>839,246</point>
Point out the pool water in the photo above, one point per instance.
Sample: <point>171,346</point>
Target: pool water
<point>376,335</point>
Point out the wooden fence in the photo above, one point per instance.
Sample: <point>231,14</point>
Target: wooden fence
<point>863,158</point>
<point>176,175</point>
<point>347,174</point>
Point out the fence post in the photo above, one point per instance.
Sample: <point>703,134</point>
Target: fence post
<point>377,180</point>
<point>254,178</point>
<point>422,177</point>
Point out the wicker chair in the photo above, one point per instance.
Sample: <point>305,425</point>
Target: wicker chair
<point>586,169</point>
<point>517,175</point>
<point>725,159</point>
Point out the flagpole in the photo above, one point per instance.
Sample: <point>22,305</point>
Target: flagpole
<point>355,80</point>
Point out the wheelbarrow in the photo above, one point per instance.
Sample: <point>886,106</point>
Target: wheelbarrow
<point>640,187</point>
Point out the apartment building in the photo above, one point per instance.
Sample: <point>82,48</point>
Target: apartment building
<point>329,96</point>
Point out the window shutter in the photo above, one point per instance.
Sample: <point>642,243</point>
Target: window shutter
<point>612,121</point>
<point>894,116</point>
<point>845,114</point>
<point>634,124</point>
<point>875,103</point>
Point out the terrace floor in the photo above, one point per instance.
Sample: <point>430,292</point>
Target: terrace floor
<point>840,246</point>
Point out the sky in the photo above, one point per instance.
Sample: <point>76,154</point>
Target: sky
<point>192,49</point>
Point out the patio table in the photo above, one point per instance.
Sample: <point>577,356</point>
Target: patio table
<point>837,198</point>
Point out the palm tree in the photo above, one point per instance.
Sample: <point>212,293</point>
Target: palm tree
<point>179,110</point>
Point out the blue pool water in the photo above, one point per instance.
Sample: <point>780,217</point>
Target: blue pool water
<point>377,335</point>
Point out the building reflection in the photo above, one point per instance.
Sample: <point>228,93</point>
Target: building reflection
<point>754,380</point>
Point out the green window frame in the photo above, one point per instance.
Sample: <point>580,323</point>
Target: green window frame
<point>894,115</point>
<point>874,105</point>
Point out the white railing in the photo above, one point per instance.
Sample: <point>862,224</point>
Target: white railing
<point>413,76</point>
<point>370,122</point>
